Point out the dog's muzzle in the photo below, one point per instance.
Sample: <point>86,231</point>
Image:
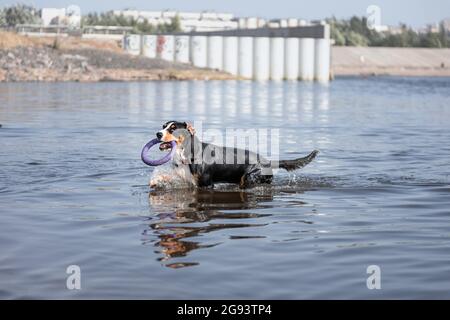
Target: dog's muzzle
<point>165,146</point>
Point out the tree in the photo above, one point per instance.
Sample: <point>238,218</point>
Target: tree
<point>431,40</point>
<point>2,18</point>
<point>20,14</point>
<point>353,38</point>
<point>339,38</point>
<point>140,25</point>
<point>354,32</point>
<point>146,27</point>
<point>357,25</point>
<point>175,25</point>
<point>443,36</point>
<point>335,32</point>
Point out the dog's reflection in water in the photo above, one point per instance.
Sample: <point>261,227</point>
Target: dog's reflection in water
<point>183,214</point>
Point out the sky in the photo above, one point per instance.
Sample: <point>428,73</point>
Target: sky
<point>415,13</point>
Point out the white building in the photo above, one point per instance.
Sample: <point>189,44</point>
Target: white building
<point>446,23</point>
<point>189,21</point>
<point>381,28</point>
<point>289,22</point>
<point>51,15</point>
<point>70,17</point>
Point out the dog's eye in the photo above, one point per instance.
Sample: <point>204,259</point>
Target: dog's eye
<point>164,126</point>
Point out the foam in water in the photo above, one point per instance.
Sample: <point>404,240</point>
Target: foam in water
<point>164,179</point>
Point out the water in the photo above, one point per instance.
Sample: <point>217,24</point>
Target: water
<point>73,191</point>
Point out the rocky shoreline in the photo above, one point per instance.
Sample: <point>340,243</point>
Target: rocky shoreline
<point>44,62</point>
<point>26,59</point>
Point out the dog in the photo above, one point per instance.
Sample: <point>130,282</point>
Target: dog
<point>202,164</point>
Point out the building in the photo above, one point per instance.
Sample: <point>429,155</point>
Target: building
<point>289,22</point>
<point>208,21</point>
<point>446,24</point>
<point>381,28</point>
<point>70,17</point>
<point>395,30</point>
<point>189,21</point>
<point>52,15</point>
<point>433,28</point>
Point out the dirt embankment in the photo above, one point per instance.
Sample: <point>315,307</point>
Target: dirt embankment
<point>74,59</point>
<point>390,61</point>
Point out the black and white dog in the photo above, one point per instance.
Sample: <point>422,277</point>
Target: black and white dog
<point>202,164</point>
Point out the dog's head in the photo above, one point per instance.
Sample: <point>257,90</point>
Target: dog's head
<point>166,134</point>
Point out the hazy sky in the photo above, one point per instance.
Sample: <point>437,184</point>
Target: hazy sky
<point>412,12</point>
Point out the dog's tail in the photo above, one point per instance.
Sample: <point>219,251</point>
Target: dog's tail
<point>294,164</point>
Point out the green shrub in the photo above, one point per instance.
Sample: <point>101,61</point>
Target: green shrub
<point>20,14</point>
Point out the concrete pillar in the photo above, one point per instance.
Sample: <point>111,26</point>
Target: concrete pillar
<point>215,52</point>
<point>149,46</point>
<point>230,55</point>
<point>199,51</point>
<point>182,49</point>
<point>165,47</point>
<point>245,57</point>
<point>276,58</point>
<point>132,44</point>
<point>291,58</point>
<point>261,58</point>
<point>322,60</point>
<point>306,59</point>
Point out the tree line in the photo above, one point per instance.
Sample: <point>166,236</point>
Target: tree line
<point>139,25</point>
<point>19,14</point>
<point>355,32</point>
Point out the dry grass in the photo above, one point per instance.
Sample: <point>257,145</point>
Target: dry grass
<point>10,40</point>
<point>72,43</point>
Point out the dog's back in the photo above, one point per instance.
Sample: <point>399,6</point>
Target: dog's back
<point>209,163</point>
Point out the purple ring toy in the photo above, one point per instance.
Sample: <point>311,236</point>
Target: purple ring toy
<point>161,161</point>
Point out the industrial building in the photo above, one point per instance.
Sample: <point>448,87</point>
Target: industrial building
<point>209,21</point>
<point>189,21</point>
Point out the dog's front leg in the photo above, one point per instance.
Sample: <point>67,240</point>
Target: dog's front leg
<point>159,180</point>
<point>205,180</point>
